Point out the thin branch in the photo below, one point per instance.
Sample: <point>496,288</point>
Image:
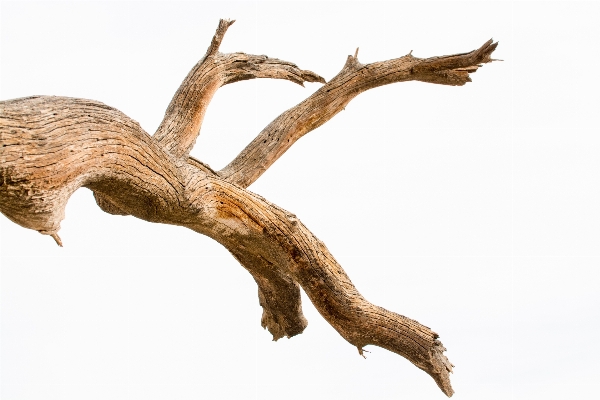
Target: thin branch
<point>215,43</point>
<point>180,127</point>
<point>325,103</point>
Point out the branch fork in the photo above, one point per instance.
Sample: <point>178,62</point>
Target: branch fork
<point>51,146</point>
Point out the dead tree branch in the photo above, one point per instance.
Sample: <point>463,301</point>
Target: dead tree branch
<point>51,146</point>
<point>181,125</point>
<point>325,103</point>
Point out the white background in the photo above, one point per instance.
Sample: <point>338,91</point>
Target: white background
<point>474,210</point>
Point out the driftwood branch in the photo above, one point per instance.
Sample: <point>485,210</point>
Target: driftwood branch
<point>181,125</point>
<point>325,103</point>
<point>51,146</point>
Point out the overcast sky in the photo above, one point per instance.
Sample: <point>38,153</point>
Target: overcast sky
<point>474,210</point>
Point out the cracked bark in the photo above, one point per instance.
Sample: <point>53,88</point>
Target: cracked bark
<point>51,146</point>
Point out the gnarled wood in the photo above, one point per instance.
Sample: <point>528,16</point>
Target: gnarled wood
<point>325,103</point>
<point>51,146</point>
<point>181,125</point>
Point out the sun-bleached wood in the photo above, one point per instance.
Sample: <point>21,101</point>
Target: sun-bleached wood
<point>51,146</point>
<point>181,124</point>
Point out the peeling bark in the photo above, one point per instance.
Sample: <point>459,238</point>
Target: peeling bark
<point>51,146</point>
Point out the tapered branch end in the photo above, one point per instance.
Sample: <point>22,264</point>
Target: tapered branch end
<point>484,53</point>
<point>309,76</point>
<point>57,239</point>
<point>441,368</point>
<point>224,24</point>
<point>454,70</point>
<point>247,66</point>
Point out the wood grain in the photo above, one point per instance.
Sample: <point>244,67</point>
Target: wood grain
<point>51,146</point>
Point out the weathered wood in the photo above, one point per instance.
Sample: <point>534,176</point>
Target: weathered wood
<point>181,125</point>
<point>325,103</point>
<point>51,146</point>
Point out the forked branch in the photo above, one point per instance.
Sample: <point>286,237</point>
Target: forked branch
<point>51,146</point>
<point>180,127</point>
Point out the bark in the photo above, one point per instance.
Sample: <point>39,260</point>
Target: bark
<point>51,146</point>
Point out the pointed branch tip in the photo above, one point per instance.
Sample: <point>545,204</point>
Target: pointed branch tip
<point>224,24</point>
<point>57,239</point>
<point>361,351</point>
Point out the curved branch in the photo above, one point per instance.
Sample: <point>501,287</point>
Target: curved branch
<point>51,146</point>
<point>325,103</point>
<point>180,127</point>
<point>54,145</point>
<point>272,238</point>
